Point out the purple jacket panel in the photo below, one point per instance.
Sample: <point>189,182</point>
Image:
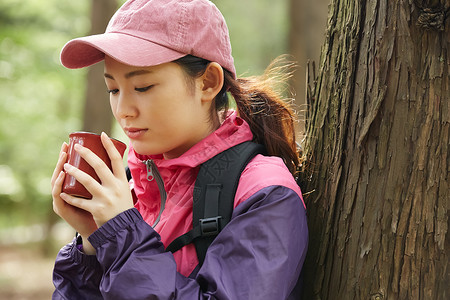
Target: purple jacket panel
<point>258,255</point>
<point>261,255</point>
<point>76,275</point>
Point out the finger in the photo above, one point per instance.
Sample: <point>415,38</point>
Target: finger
<point>58,168</point>
<point>99,166</point>
<point>61,160</point>
<point>114,156</point>
<point>57,186</point>
<point>56,191</point>
<point>63,150</point>
<point>77,202</point>
<point>85,179</point>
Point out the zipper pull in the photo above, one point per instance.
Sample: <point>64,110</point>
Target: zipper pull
<point>148,164</point>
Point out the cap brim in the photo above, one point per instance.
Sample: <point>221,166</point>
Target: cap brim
<point>127,49</point>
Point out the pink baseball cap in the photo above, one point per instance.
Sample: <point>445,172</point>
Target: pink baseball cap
<point>151,32</point>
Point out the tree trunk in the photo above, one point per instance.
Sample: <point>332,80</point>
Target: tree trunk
<point>97,115</point>
<point>377,146</point>
<point>307,20</point>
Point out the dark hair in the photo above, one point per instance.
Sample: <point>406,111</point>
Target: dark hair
<point>259,103</point>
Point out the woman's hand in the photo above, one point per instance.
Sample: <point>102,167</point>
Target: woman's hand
<point>110,197</point>
<point>78,219</point>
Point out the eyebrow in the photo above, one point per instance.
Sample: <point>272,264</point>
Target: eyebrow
<point>130,74</point>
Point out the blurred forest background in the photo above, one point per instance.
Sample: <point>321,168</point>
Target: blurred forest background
<point>42,102</point>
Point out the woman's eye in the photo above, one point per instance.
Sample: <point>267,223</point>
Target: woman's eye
<point>144,89</point>
<point>113,91</point>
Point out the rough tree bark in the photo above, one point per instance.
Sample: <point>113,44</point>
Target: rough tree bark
<point>378,153</point>
<point>97,115</point>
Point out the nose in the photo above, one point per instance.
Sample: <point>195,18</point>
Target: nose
<point>124,107</point>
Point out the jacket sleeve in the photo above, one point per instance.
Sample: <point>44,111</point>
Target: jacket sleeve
<point>258,255</point>
<point>76,275</point>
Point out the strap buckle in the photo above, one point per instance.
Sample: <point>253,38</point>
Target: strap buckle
<point>210,226</point>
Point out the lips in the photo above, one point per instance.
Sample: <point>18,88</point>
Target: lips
<point>134,133</point>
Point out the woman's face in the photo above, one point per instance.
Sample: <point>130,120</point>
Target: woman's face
<point>157,107</point>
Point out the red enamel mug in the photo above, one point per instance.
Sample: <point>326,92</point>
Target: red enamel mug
<point>92,141</point>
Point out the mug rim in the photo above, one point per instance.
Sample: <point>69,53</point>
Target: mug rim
<point>94,134</point>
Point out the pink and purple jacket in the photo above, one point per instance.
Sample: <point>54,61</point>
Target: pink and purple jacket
<point>258,255</point>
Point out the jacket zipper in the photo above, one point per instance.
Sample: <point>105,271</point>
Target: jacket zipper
<point>153,174</point>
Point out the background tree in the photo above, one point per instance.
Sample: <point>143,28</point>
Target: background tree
<point>378,153</point>
<point>307,20</point>
<point>97,115</point>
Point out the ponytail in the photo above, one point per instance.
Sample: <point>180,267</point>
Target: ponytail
<point>261,104</point>
<point>269,115</point>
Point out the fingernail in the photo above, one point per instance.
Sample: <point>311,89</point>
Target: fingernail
<point>67,167</point>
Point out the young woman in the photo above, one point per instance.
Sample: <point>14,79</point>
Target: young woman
<point>169,70</point>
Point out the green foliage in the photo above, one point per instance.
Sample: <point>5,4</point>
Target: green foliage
<point>41,102</point>
<point>258,32</point>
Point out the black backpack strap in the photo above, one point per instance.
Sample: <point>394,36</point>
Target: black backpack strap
<point>128,172</point>
<point>213,197</point>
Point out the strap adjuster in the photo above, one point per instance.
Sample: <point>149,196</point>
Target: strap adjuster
<point>210,226</point>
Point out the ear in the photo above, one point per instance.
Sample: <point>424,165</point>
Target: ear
<point>212,81</point>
